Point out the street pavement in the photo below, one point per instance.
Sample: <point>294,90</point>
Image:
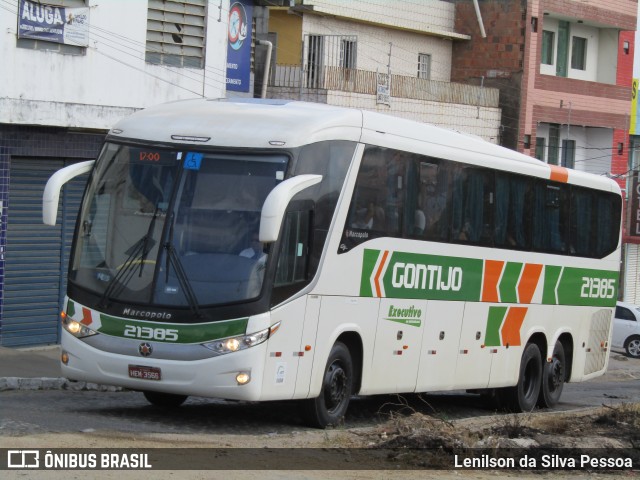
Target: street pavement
<point>32,368</point>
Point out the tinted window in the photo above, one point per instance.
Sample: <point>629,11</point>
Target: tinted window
<point>399,194</point>
<point>550,202</point>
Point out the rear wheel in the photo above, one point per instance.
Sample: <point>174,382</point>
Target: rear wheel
<point>524,396</point>
<point>632,347</point>
<point>165,400</point>
<point>553,377</point>
<point>331,405</point>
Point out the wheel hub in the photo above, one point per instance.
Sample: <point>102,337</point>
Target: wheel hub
<point>336,384</point>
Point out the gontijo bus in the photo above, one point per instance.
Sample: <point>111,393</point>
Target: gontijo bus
<point>271,250</point>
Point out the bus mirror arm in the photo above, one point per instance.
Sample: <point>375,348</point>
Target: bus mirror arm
<point>276,204</point>
<point>51,195</point>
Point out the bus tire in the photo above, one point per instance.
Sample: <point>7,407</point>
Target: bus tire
<point>553,377</point>
<point>331,405</point>
<point>164,400</point>
<point>524,396</point>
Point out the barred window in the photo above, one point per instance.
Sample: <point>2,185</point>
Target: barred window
<point>176,33</point>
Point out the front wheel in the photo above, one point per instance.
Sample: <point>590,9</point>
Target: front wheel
<point>524,396</point>
<point>632,347</point>
<point>331,405</point>
<point>164,400</point>
<point>553,378</point>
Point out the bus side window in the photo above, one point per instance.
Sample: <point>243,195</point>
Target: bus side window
<point>294,249</point>
<point>550,215</point>
<point>512,211</point>
<point>472,205</point>
<point>435,192</point>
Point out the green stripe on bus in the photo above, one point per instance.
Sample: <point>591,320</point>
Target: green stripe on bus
<point>509,282</point>
<point>164,332</point>
<point>369,260</point>
<point>551,275</point>
<point>588,287</point>
<point>494,322</point>
<point>437,277</point>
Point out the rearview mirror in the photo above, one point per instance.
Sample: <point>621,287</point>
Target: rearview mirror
<point>276,203</point>
<point>51,195</point>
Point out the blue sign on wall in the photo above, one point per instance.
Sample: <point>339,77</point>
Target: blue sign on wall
<point>239,46</point>
<point>53,23</point>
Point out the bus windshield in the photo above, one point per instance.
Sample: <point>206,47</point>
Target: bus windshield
<point>174,228</point>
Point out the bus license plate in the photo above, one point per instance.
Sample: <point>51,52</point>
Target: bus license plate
<point>144,373</point>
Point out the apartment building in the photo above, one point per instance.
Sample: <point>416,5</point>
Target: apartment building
<point>391,57</point>
<point>72,68</point>
<point>564,71</point>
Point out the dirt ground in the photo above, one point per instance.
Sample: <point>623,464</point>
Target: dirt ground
<point>613,427</point>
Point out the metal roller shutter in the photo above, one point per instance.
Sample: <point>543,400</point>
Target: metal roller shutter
<point>37,255</point>
<point>631,273</point>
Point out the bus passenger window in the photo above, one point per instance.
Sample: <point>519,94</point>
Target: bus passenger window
<point>435,190</point>
<point>377,202</point>
<point>472,206</point>
<point>550,205</point>
<point>512,212</point>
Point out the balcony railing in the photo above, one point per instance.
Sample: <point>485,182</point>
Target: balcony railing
<point>365,82</point>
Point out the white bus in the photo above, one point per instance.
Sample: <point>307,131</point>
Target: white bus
<point>270,250</point>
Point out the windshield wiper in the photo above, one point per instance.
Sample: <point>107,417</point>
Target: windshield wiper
<point>137,253</point>
<point>174,260</point>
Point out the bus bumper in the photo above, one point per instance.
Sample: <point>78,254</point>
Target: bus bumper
<point>209,377</point>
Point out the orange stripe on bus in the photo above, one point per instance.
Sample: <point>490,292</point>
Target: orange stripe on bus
<point>86,316</point>
<point>492,272</point>
<point>559,174</point>
<point>376,279</point>
<point>511,326</point>
<point>528,282</point>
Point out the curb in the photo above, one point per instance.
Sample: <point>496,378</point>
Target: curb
<point>46,383</point>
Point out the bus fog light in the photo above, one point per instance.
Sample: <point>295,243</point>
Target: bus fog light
<point>64,358</point>
<point>243,378</point>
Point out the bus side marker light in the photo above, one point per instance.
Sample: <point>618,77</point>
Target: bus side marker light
<point>494,350</point>
<point>243,378</point>
<point>298,354</point>
<point>307,348</point>
<point>431,352</point>
<point>464,352</point>
<point>276,354</point>
<point>397,352</point>
<point>404,347</point>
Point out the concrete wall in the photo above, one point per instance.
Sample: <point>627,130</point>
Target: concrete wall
<point>375,43</point>
<point>110,80</point>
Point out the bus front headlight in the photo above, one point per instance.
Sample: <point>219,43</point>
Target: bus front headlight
<point>241,342</point>
<point>76,329</point>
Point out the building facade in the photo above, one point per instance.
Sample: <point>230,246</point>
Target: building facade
<point>391,57</point>
<point>564,70</point>
<point>72,68</point>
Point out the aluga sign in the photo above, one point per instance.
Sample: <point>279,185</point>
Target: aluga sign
<point>319,252</point>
